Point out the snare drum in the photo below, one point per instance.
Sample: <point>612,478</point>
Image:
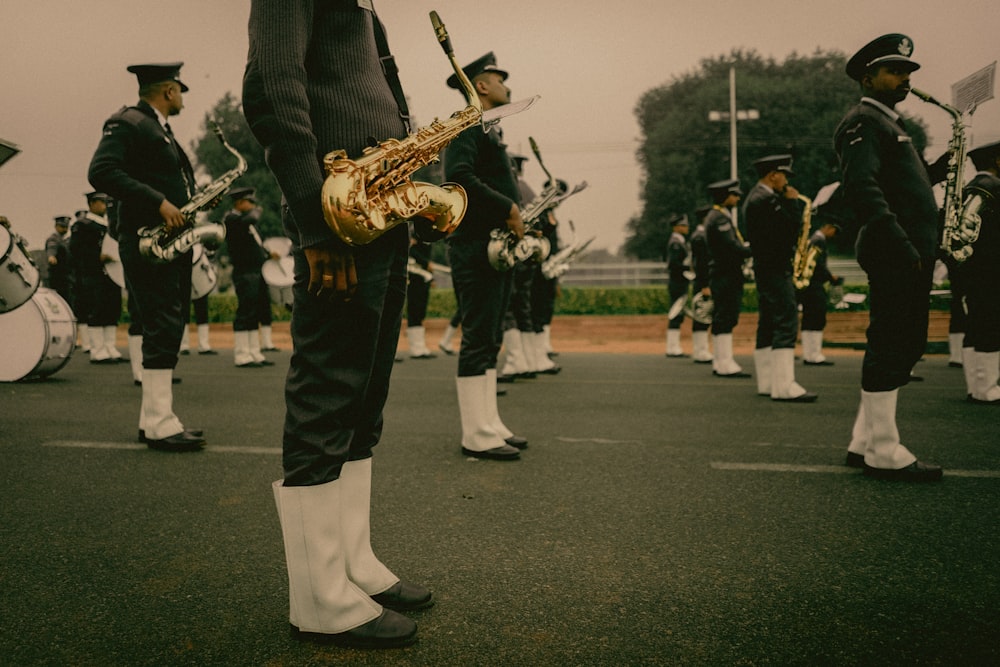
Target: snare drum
<point>279,274</point>
<point>280,245</point>
<point>18,274</point>
<point>38,338</point>
<point>203,275</point>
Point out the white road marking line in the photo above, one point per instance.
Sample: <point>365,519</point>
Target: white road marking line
<point>837,470</point>
<point>89,444</point>
<point>600,441</point>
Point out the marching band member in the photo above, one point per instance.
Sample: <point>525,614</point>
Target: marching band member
<point>252,324</point>
<point>678,263</point>
<point>700,261</point>
<point>814,298</point>
<point>315,83</point>
<point>981,274</point>
<point>418,289</point>
<point>479,162</point>
<point>144,168</point>
<point>518,331</point>
<point>102,298</point>
<point>60,260</point>
<point>727,252</point>
<point>886,184</point>
<point>544,292</point>
<point>773,218</point>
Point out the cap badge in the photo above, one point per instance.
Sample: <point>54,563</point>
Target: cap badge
<point>905,47</point>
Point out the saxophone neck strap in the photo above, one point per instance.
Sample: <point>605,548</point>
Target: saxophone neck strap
<point>391,71</point>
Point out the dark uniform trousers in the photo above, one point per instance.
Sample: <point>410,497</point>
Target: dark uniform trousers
<point>161,294</point>
<point>813,299</point>
<point>253,301</point>
<point>778,317</point>
<point>897,329</point>
<point>543,300</point>
<point>727,293</point>
<point>522,283</point>
<point>418,293</point>
<point>344,352</point>
<point>482,293</point>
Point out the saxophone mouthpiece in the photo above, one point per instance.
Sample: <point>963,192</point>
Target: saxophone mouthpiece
<point>441,32</point>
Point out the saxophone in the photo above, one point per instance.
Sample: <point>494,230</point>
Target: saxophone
<point>804,264</point>
<point>558,264</point>
<point>364,198</point>
<point>961,218</point>
<point>504,250</point>
<point>162,246</point>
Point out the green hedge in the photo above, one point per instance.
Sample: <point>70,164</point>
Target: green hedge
<point>572,301</point>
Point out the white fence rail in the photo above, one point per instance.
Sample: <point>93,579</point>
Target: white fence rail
<point>624,274</point>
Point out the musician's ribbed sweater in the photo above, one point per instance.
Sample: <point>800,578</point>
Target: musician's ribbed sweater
<point>312,85</point>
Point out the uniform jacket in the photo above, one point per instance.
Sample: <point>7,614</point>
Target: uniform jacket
<point>245,250</point>
<point>85,245</point>
<point>773,224</point>
<point>983,267</point>
<point>726,250</point>
<point>478,161</point>
<point>137,163</point>
<point>821,274</point>
<point>700,257</point>
<point>57,245</point>
<point>886,184</point>
<point>677,259</point>
<point>313,84</point>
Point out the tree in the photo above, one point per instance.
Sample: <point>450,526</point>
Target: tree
<point>800,101</point>
<point>213,159</point>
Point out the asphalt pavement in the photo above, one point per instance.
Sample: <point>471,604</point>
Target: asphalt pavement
<point>660,516</point>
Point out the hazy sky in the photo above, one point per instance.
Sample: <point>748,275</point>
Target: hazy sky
<point>63,62</point>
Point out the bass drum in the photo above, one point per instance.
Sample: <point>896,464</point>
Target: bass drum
<point>38,337</point>
<point>279,274</point>
<point>204,277</point>
<point>19,276</point>
<point>113,268</point>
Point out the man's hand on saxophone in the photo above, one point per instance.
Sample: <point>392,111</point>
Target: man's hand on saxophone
<point>331,271</point>
<point>172,216</point>
<point>514,222</point>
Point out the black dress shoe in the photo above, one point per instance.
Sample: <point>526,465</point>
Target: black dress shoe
<point>738,374</point>
<point>804,398</point>
<point>527,375</point>
<point>447,350</point>
<point>207,352</point>
<point>516,441</point>
<point>678,356</point>
<point>916,378</point>
<point>955,364</point>
<point>825,362</point>
<point>501,453</point>
<point>403,596</point>
<point>250,364</point>
<point>551,371</point>
<point>423,356</point>
<point>501,392</point>
<point>390,630</point>
<point>194,432</point>
<point>270,349</point>
<point>104,362</point>
<point>266,363</point>
<point>855,460</point>
<point>505,378</point>
<point>182,442</point>
<point>185,352</point>
<point>915,472</point>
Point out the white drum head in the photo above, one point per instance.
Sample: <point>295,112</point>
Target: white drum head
<point>25,336</point>
<point>281,245</point>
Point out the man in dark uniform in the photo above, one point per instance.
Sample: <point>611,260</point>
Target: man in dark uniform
<point>772,214</point>
<point>247,254</point>
<point>478,161</point>
<point>102,297</point>
<point>700,261</point>
<point>727,251</point>
<point>813,298</point>
<point>141,165</point>
<point>544,291</point>
<point>60,263</point>
<point>315,83</point>
<point>678,265</point>
<point>418,292</point>
<point>518,329</point>
<point>981,353</point>
<point>886,184</point>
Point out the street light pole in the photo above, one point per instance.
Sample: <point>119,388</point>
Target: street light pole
<point>732,116</point>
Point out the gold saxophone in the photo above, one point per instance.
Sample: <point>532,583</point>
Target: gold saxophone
<point>961,218</point>
<point>364,198</point>
<point>804,264</point>
<point>162,246</point>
